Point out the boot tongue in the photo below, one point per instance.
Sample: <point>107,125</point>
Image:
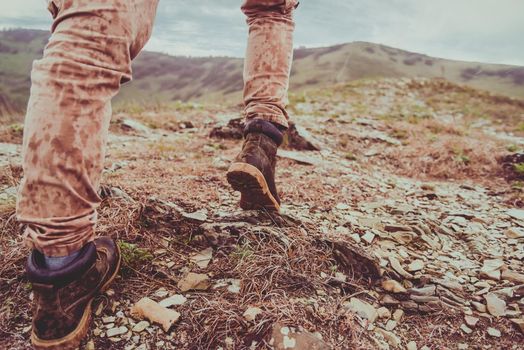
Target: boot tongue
<point>39,275</point>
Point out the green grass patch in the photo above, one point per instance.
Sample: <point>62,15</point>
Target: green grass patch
<point>519,168</point>
<point>242,252</point>
<point>132,255</point>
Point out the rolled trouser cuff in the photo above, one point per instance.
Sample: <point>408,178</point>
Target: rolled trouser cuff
<point>55,243</point>
<point>264,127</point>
<point>279,119</point>
<point>37,271</point>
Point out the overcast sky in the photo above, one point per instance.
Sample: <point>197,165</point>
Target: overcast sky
<point>473,30</point>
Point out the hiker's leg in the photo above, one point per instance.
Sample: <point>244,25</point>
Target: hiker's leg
<point>88,56</point>
<point>268,58</point>
<point>266,78</point>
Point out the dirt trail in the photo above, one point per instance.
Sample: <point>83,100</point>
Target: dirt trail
<point>402,231</point>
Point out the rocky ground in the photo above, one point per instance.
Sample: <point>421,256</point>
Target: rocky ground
<point>403,227</point>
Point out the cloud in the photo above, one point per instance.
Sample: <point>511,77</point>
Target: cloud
<point>476,30</point>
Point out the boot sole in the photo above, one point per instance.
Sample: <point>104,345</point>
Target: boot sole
<point>252,185</point>
<point>73,339</point>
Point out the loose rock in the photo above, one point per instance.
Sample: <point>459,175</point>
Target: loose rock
<point>471,321</point>
<point>516,214</point>
<point>393,286</point>
<point>147,308</point>
<point>411,346</point>
<point>395,264</point>
<point>176,299</point>
<point>251,313</point>
<point>466,329</point>
<point>285,338</point>
<point>494,332</point>
<point>363,309</point>
<point>390,337</point>
<point>194,281</point>
<point>416,265</point>
<point>113,332</point>
<point>495,305</point>
<point>140,326</point>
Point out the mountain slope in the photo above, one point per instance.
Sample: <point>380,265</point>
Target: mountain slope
<point>161,78</point>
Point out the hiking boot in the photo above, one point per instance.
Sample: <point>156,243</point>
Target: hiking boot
<point>253,170</point>
<point>62,298</point>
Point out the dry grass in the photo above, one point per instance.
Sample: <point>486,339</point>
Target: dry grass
<point>281,264</point>
<point>447,153</point>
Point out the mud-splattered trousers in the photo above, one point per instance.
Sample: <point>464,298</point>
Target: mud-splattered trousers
<point>87,58</point>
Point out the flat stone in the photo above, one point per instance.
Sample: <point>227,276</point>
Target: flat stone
<point>285,338</point>
<point>251,313</point>
<point>471,321</point>
<point>197,216</point>
<point>491,269</point>
<point>395,264</point>
<point>355,237</point>
<point>492,275</point>
<point>342,206</point>
<point>108,319</point>
<point>389,300</point>
<point>409,305</point>
<point>514,233</point>
<point>363,309</point>
<point>300,157</point>
<point>411,346</point>
<point>416,265</point>
<point>398,314</point>
<point>140,326</point>
<point>422,299</point>
<point>390,325</point>
<point>146,308</point>
<point>135,126</point>
<point>194,281</point>
<point>383,312</point>
<point>427,290</point>
<point>396,228</point>
<point>390,337</point>
<point>403,237</point>
<point>161,293</point>
<point>516,213</point>
<point>479,306</point>
<point>113,332</point>
<point>466,329</point>
<point>494,332</point>
<point>519,322</point>
<point>234,286</point>
<point>512,276</point>
<point>495,305</point>
<point>176,299</point>
<point>393,286</point>
<point>368,237</point>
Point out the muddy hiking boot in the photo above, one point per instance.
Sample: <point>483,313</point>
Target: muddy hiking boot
<point>253,170</point>
<point>62,298</point>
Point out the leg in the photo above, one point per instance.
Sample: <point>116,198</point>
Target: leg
<point>268,58</point>
<point>266,80</point>
<point>88,56</point>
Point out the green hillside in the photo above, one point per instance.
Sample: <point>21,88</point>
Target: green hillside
<point>162,78</point>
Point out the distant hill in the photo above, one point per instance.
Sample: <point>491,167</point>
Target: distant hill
<point>160,77</point>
